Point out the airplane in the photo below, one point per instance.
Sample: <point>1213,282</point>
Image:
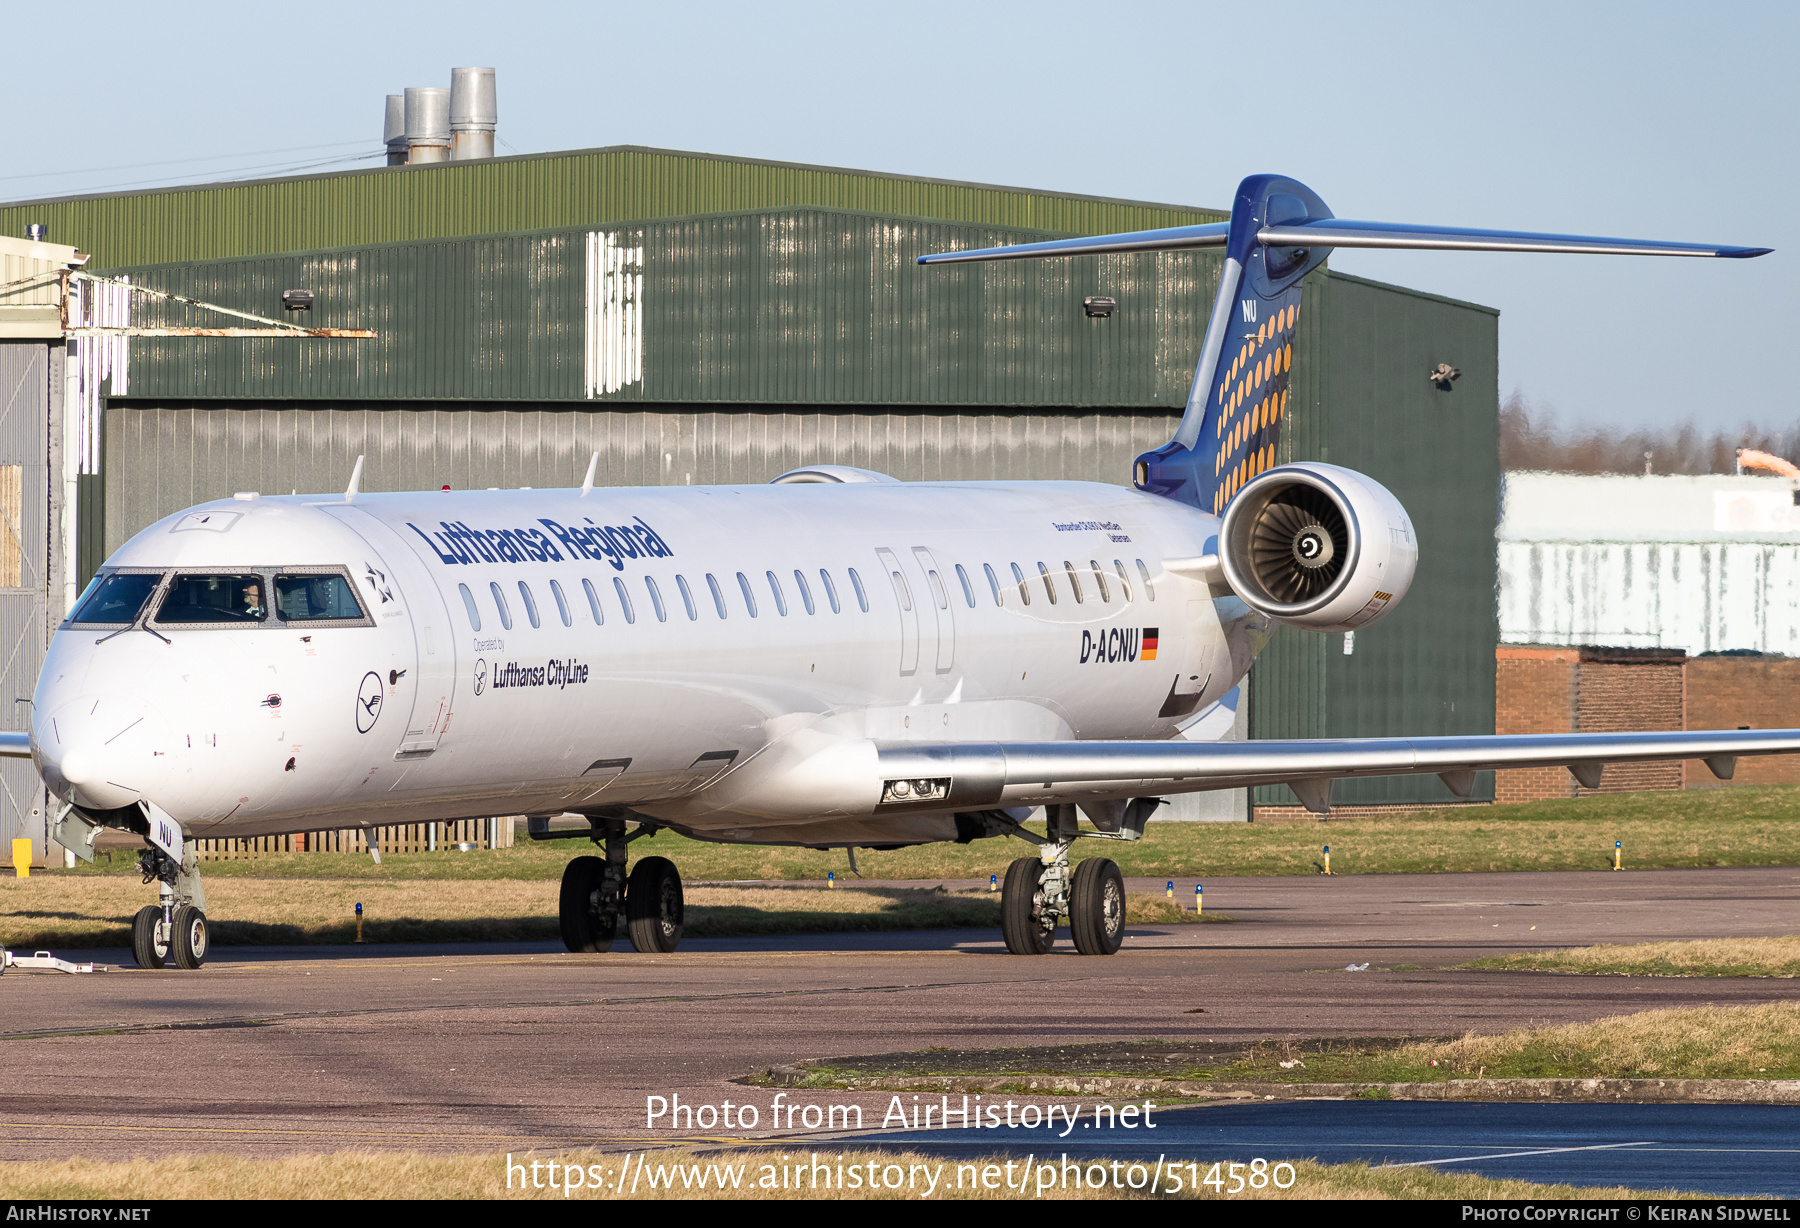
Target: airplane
<point>834,659</point>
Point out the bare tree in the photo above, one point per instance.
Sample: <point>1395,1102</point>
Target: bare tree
<point>1531,437</point>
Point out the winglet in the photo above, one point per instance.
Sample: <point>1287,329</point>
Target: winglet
<point>587,483</point>
<point>355,487</point>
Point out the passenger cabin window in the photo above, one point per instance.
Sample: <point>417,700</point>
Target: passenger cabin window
<point>469,605</point>
<point>1100,581</point>
<point>214,599</point>
<point>117,598</point>
<point>1024,584</point>
<point>1124,580</point>
<point>993,583</point>
<point>749,597</point>
<point>1049,581</point>
<point>830,591</point>
<point>662,615</point>
<point>1144,573</point>
<point>1074,580</point>
<point>315,598</point>
<point>937,588</point>
<point>717,592</point>
<point>687,597</point>
<point>968,589</point>
<point>530,603</point>
<point>862,596</point>
<point>593,598</point>
<point>500,604</point>
<point>562,604</point>
<point>775,587</point>
<point>805,593</point>
<point>624,600</point>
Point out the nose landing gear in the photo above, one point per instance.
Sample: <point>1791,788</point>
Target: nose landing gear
<point>176,927</point>
<point>596,893</point>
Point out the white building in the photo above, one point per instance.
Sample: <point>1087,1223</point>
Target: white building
<point>1705,564</point>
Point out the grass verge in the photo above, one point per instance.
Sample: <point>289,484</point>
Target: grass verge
<point>1735,1042</point>
<point>413,1175</point>
<point>1712,827</point>
<point>1771,957</point>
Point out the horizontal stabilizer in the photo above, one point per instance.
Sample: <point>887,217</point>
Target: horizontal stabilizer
<point>1340,232</point>
<point>1171,239</point>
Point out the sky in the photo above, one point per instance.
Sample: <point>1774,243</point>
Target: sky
<point>1648,120</point>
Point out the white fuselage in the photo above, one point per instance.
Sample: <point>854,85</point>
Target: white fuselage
<point>875,621</point>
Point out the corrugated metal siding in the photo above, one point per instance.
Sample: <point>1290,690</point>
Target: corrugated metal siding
<point>803,306</point>
<point>24,420</point>
<point>1428,667</point>
<point>1696,596</point>
<point>168,457</point>
<point>594,187</point>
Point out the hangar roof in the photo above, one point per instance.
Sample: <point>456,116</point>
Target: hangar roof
<point>585,187</point>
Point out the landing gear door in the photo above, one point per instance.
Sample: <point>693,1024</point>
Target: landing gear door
<point>908,604</point>
<point>393,574</point>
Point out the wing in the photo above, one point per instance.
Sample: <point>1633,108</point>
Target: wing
<point>973,775</point>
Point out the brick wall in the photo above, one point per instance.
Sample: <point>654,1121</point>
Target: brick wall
<point>1534,692</point>
<point>1729,692</point>
<point>1587,690</point>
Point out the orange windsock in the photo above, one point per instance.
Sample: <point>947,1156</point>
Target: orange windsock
<point>1750,458</point>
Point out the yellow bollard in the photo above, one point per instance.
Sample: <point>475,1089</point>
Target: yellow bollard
<point>1327,859</point>
<point>1171,888</point>
<point>1199,900</point>
<point>22,857</point>
<point>1618,852</point>
<point>831,878</point>
<point>359,921</point>
<point>993,882</point>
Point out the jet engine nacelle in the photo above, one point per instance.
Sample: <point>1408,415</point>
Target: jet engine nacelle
<point>1318,547</point>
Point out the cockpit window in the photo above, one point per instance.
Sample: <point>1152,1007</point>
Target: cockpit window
<point>308,598</point>
<point>116,599</point>
<point>214,599</point>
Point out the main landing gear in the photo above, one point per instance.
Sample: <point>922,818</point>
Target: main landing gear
<point>174,928</point>
<point>1040,890</point>
<point>596,893</point>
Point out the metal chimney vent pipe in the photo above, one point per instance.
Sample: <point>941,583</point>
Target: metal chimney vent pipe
<point>473,113</point>
<point>427,124</point>
<point>393,130</point>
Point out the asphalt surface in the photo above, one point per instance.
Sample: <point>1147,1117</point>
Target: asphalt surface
<point>499,1047</point>
<point>1742,1150</point>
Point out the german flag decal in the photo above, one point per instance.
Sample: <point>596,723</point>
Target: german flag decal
<point>1149,648</point>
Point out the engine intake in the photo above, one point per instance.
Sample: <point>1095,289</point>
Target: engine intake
<point>1317,546</point>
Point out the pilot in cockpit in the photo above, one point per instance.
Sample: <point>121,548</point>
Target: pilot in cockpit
<point>252,604</point>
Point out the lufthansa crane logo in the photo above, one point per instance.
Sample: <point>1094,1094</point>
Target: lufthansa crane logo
<point>480,675</point>
<point>368,702</point>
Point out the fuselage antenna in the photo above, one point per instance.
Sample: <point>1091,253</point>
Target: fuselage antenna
<point>587,483</point>
<point>355,487</point>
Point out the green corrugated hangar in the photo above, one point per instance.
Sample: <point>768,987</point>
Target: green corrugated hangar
<point>701,319</point>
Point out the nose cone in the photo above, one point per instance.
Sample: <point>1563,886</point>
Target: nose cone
<point>99,752</point>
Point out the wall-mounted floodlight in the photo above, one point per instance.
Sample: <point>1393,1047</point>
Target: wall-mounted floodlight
<point>297,300</point>
<point>1098,307</point>
<point>1442,375</point>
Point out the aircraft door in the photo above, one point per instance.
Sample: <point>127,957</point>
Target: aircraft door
<point>907,602</point>
<point>394,573</point>
<point>938,589</point>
